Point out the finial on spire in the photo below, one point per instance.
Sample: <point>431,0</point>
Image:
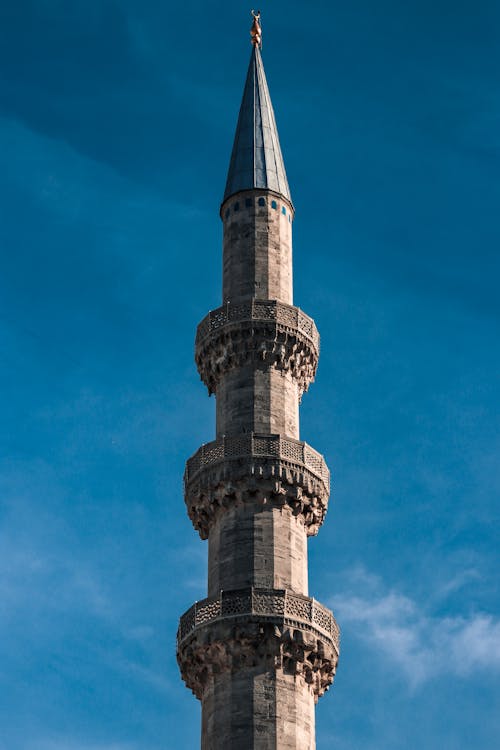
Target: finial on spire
<point>256,159</point>
<point>256,30</point>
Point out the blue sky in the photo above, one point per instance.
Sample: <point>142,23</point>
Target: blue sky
<point>116,122</point>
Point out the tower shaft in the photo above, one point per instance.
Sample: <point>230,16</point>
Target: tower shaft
<point>257,652</point>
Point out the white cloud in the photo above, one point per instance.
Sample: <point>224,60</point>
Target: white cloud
<point>420,645</point>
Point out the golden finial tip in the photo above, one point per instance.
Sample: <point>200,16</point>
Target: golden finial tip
<point>256,30</point>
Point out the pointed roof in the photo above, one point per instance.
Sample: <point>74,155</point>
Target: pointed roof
<point>256,159</point>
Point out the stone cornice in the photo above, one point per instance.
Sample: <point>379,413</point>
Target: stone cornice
<point>265,641</point>
<point>276,605</point>
<point>258,469</point>
<point>266,333</point>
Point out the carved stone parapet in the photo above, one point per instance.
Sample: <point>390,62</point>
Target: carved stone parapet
<point>252,628</point>
<point>261,469</point>
<point>289,607</point>
<point>264,332</point>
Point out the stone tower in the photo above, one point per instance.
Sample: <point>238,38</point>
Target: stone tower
<point>258,652</point>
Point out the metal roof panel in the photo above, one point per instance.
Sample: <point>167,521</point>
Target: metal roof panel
<point>256,159</point>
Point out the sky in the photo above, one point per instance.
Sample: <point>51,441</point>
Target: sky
<point>116,120</point>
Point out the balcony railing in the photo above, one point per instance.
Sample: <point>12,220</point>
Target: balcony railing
<point>259,310</point>
<point>272,604</point>
<point>262,446</point>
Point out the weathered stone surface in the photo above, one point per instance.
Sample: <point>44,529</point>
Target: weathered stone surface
<point>242,640</point>
<point>264,334</point>
<point>258,660</point>
<point>260,401</point>
<point>288,607</point>
<point>257,545</point>
<point>258,652</point>
<point>244,470</point>
<point>253,709</point>
<point>257,247</point>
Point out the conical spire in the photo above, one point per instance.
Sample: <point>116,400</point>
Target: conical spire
<point>256,159</point>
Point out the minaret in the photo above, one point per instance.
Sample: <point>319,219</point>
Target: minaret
<point>258,652</point>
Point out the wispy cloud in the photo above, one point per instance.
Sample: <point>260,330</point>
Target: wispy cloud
<point>150,677</point>
<point>420,644</point>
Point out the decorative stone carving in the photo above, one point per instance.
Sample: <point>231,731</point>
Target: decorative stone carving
<point>287,606</point>
<point>259,469</point>
<point>230,645</point>
<point>266,333</point>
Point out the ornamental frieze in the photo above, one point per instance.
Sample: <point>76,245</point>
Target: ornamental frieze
<point>258,628</point>
<point>257,469</point>
<point>266,333</point>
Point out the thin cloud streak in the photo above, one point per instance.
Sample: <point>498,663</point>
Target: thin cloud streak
<point>420,645</point>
